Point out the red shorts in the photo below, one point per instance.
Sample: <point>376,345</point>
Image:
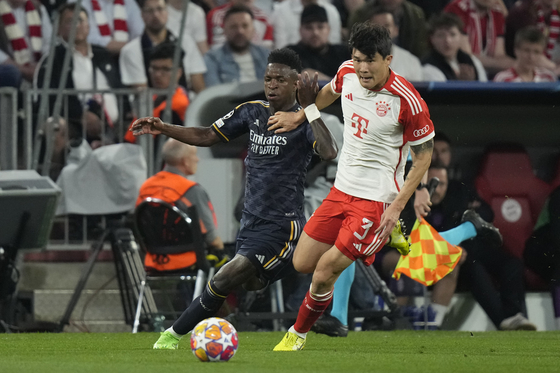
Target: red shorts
<point>348,223</point>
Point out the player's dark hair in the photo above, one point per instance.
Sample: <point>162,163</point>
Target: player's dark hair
<point>529,34</point>
<point>444,21</point>
<point>238,9</point>
<point>369,39</point>
<point>286,57</point>
<point>166,51</point>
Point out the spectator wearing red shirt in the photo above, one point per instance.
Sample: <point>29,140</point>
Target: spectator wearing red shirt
<point>484,26</point>
<point>530,44</point>
<point>545,14</point>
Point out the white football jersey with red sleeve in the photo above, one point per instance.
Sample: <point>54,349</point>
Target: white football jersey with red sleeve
<point>379,127</point>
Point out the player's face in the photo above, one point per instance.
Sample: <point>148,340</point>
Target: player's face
<point>446,42</point>
<point>441,189</point>
<point>528,54</point>
<point>315,34</point>
<point>280,84</point>
<point>154,14</point>
<point>239,30</point>
<point>442,153</point>
<point>372,72</point>
<point>160,73</point>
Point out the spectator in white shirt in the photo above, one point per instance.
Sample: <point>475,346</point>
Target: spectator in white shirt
<point>134,56</point>
<point>287,16</point>
<point>195,24</point>
<point>92,67</point>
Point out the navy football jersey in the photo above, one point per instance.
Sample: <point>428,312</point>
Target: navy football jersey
<point>276,163</point>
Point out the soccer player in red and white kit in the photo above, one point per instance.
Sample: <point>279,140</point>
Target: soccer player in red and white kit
<point>384,116</point>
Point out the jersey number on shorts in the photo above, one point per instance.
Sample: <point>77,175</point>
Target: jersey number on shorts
<point>367,225</point>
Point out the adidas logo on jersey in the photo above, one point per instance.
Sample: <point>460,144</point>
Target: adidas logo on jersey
<point>260,258</point>
<point>358,246</point>
<point>349,96</point>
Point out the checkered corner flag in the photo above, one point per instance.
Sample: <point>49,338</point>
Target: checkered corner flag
<point>431,257</point>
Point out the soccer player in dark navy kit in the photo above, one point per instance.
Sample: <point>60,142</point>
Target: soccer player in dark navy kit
<point>276,166</point>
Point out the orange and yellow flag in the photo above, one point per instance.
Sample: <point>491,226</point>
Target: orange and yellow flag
<point>431,257</point>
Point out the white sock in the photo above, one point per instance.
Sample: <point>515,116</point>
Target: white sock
<point>174,333</point>
<point>558,323</point>
<point>293,330</point>
<point>441,310</point>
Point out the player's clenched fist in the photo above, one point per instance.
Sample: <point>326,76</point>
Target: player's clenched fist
<point>307,89</point>
<point>147,125</point>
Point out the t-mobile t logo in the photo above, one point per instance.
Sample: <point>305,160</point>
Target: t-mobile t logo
<point>361,123</point>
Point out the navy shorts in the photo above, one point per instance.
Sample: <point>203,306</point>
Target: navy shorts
<point>269,245</point>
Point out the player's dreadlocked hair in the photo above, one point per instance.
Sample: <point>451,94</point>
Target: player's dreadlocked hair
<point>370,38</point>
<point>286,57</point>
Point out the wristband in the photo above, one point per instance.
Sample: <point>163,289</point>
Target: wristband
<point>312,113</point>
<point>422,186</point>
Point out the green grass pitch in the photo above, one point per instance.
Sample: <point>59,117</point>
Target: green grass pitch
<point>395,351</point>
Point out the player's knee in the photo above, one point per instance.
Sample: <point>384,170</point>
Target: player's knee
<point>253,284</point>
<point>303,266</point>
<point>235,273</point>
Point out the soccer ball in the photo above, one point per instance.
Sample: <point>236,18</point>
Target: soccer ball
<point>214,339</point>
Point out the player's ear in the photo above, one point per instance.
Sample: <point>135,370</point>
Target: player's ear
<point>388,59</point>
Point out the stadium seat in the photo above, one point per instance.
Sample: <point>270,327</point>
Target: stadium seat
<point>506,181</point>
<point>162,228</point>
<point>556,181</point>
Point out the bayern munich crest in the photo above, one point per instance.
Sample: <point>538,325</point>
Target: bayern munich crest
<point>382,108</point>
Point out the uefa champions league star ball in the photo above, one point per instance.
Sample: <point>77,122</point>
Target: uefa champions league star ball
<point>214,339</point>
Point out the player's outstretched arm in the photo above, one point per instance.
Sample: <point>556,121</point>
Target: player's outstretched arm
<point>197,136</point>
<point>286,122</point>
<point>283,121</point>
<point>325,144</point>
<point>421,159</point>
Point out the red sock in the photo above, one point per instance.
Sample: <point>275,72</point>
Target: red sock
<point>312,307</point>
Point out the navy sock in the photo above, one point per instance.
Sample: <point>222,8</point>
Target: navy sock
<point>203,307</point>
